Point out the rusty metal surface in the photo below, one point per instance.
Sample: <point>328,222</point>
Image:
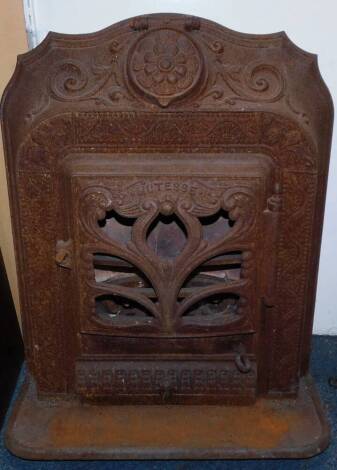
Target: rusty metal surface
<point>293,428</point>
<point>167,180</point>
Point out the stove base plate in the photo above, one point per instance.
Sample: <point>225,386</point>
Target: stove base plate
<point>271,428</point>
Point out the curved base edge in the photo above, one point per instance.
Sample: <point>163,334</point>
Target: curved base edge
<point>70,430</point>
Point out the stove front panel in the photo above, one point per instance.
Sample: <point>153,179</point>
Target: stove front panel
<point>169,251</point>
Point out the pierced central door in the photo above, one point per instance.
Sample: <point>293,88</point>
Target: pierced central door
<point>169,256</point>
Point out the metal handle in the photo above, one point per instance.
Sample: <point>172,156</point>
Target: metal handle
<point>243,363</point>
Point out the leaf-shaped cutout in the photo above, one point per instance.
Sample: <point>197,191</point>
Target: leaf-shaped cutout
<point>116,310</point>
<point>167,236</point>
<point>117,227</point>
<point>217,309</point>
<point>223,268</point>
<point>114,270</point>
<point>216,226</point>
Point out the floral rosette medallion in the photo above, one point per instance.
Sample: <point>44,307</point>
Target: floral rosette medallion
<point>165,65</point>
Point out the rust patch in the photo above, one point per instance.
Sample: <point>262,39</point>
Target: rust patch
<point>172,426</point>
<point>269,428</point>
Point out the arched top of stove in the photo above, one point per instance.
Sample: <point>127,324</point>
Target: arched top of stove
<point>168,63</point>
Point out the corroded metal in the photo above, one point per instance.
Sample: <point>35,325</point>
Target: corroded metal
<point>167,180</point>
<point>270,428</point>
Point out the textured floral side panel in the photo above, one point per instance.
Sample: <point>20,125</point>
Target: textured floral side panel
<point>43,311</point>
<point>299,191</point>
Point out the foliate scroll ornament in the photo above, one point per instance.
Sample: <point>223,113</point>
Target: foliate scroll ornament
<point>240,204</point>
<point>254,82</point>
<point>194,197</point>
<point>165,65</point>
<point>99,80</point>
<point>288,140</point>
<point>70,80</point>
<point>95,202</point>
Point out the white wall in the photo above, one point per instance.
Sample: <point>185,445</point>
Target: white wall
<point>309,23</point>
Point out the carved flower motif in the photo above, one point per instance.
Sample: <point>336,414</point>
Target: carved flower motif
<point>165,64</point>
